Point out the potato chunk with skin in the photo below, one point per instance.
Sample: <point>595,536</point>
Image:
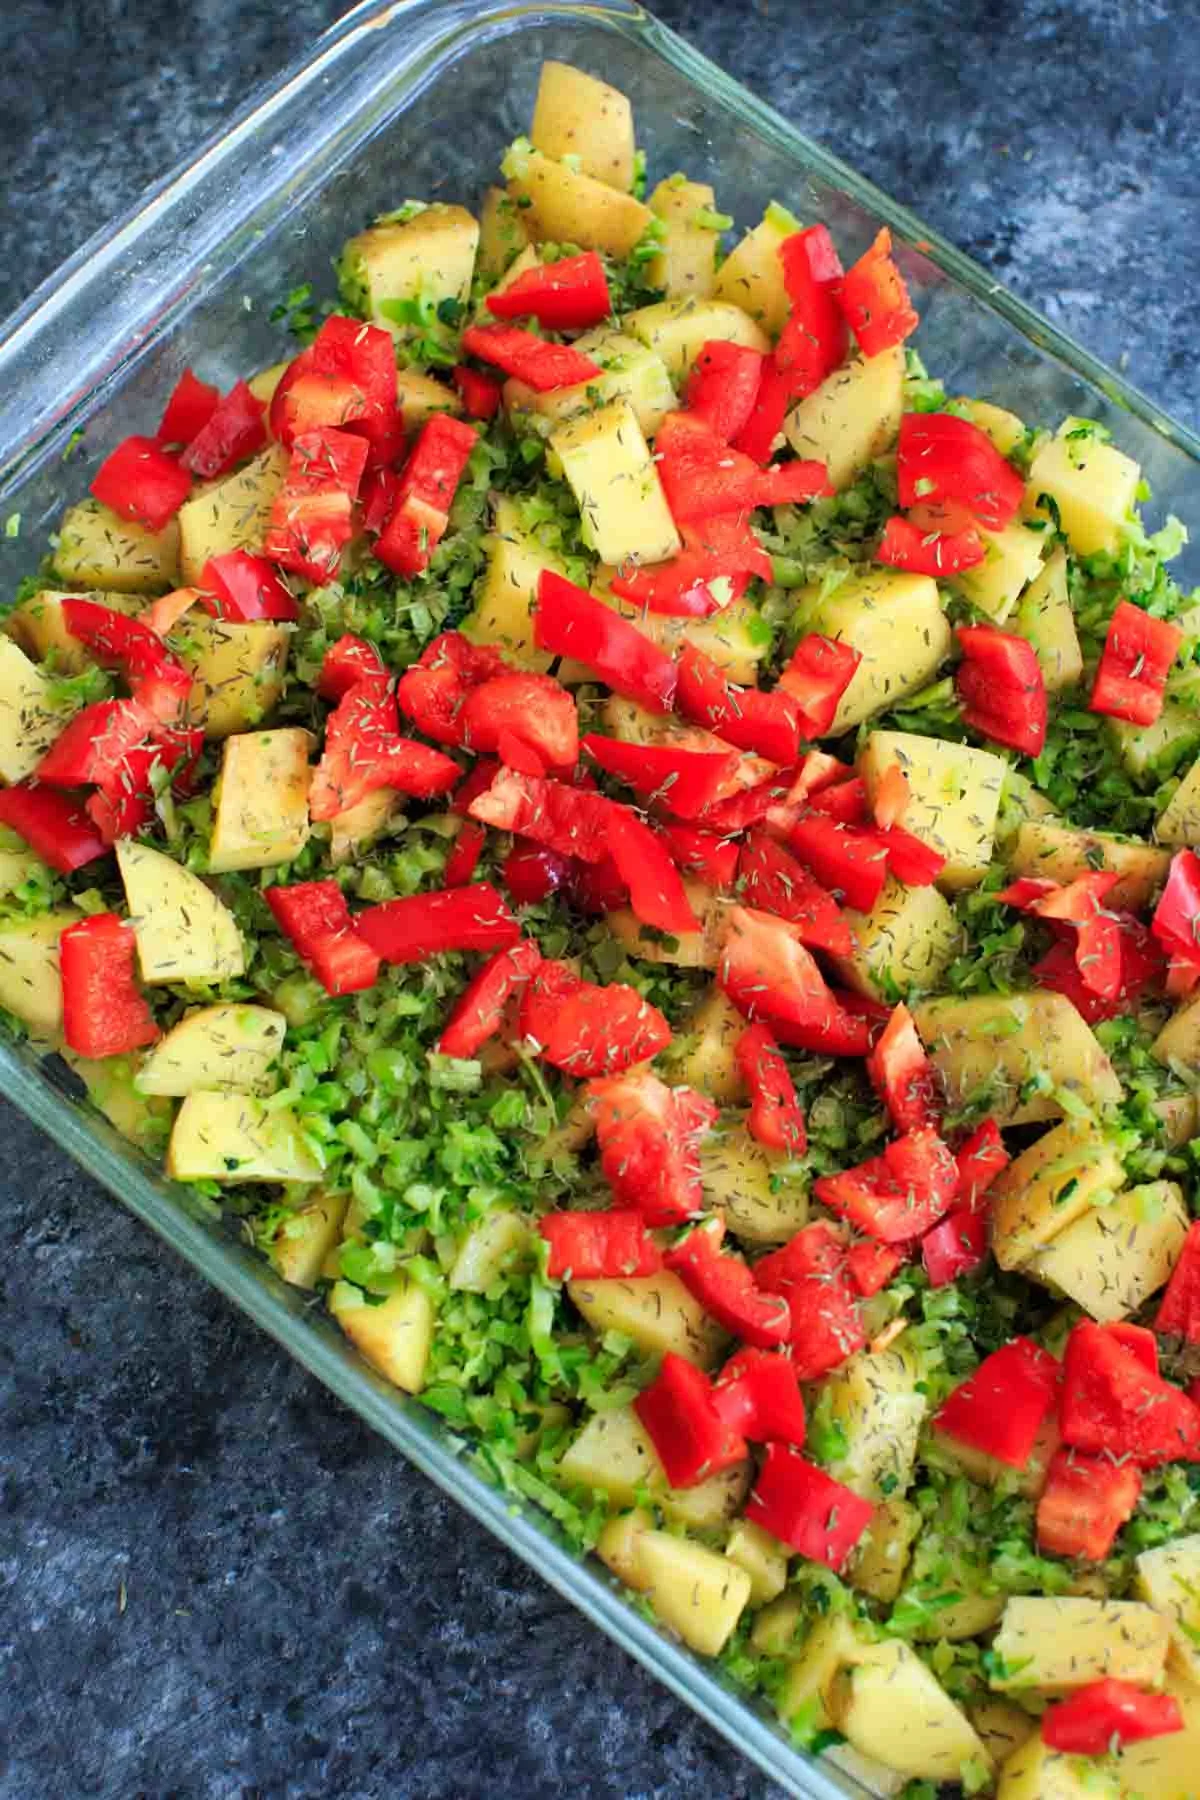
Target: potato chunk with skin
<point>697,1592</point>
<point>878,1564</point>
<point>677,330</point>
<point>874,1397</point>
<point>230,514</point>
<point>97,548</point>
<point>1179,822</point>
<point>1168,1579</point>
<point>1179,1040</point>
<point>262,800</point>
<point>896,1710</point>
<point>852,418</point>
<point>31,717</point>
<point>502,234</point>
<point>561,205</point>
<point>1056,852</point>
<point>1069,1170</point>
<point>1115,1257</point>
<point>895,622</point>
<point>237,670</point>
<point>830,1646</point>
<point>183,932</point>
<point>752,275</point>
<point>954,797</point>
<point>223,1048</point>
<point>1035,1772</point>
<point>30,985</point>
<point>304,1238</point>
<point>907,941</point>
<point>1045,618</point>
<point>988,1048</point>
<point>611,472</point>
<point>1012,559</point>
<point>485,1250</point>
<point>234,1138</point>
<point>430,256</point>
<point>1056,1645</point>
<point>394,1337</point>
<point>578,116</point>
<point>1092,484</point>
<point>656,1311</point>
<point>685,265</point>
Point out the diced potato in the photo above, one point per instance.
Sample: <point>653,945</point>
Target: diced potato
<point>1057,1645</point>
<point>1068,1171</point>
<point>97,548</point>
<point>874,1398</point>
<point>230,514</point>
<point>737,638</point>
<point>1112,1259</point>
<point>1046,619</point>
<point>420,396</point>
<point>614,1454</point>
<point>17,864</point>
<point>1161,747</point>
<point>1093,486</point>
<point>690,950</point>
<point>1035,1772</point>
<point>906,942</point>
<point>710,1036</point>
<point>1013,559</point>
<point>656,1311</point>
<point>38,626</point>
<point>30,987</point>
<point>778,1628</point>
<point>1002,1726</point>
<point>677,330</point>
<point>630,371</point>
<point>237,670</point>
<point>561,205</point>
<point>746,1186</point>
<point>712,1503</point>
<point>1063,852</point>
<point>235,1138</point>
<point>1168,1579</point>
<point>763,1557</point>
<point>954,797</point>
<point>183,932</point>
<point>611,472</point>
<point>1178,1042</point>
<point>502,234</point>
<point>31,717</point>
<point>394,1337</point>
<point>577,116</point>
<point>261,800</point>
<point>430,256</point>
<point>1179,821</point>
<point>811,1685</point>
<point>988,1471</point>
<point>896,1710</point>
<point>994,1046</point>
<point>685,265</point>
<point>263,385</point>
<point>617,1546</point>
<point>853,417</point>
<point>223,1048</point>
<point>503,612</point>
<point>878,1565</point>
<point>486,1249</point>
<point>110,1082</point>
<point>304,1238</point>
<point>1161,1768</point>
<point>752,275</point>
<point>1180,1117</point>
<point>895,622</point>
<point>1003,427</point>
<point>697,1592</point>
<point>359,826</point>
<point>966,1617</point>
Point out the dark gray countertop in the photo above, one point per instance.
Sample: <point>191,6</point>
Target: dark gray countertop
<point>216,1582</point>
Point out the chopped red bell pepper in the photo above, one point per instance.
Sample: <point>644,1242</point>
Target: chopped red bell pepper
<point>159,681</point>
<point>903,1076</point>
<point>568,820</point>
<point>96,742</point>
<point>704,853</point>
<point>54,826</point>
<point>479,393</point>
<point>364,752</point>
<point>1176,921</point>
<point>1001,688</point>
<point>125,797</point>
<point>758,1395</point>
<point>531,874</point>
<point>420,514</point>
<point>421,925</point>
<point>649,1136</point>
<point>874,299</point>
<point>599,1246</point>
<point>703,476</point>
<point>692,1440</point>
<point>762,430</point>
<point>751,806</point>
<point>952,470</point>
<point>809,1271</point>
<point>476,782</point>
<point>818,1249</point>
<point>911,861</point>
<point>645,865</point>
<point>236,430</point>
<point>768,974</point>
<point>346,379</point>
<point>346,663</point>
<point>979,1161</point>
<point>723,386</point>
<point>871,1265</point>
<point>776,1119</point>
<point>1136,660</point>
<point>817,675</point>
<point>850,861</point>
<point>534,709</point>
<point>956,1247</point>
<point>726,1289</point>
<point>720,549</point>
<point>377,498</point>
<point>594,1031</point>
<point>190,407</point>
<point>684,782</point>
<point>237,585</point>
<point>807,1509</point>
<point>814,340</point>
<point>433,692</point>
<point>1179,1313</point>
<point>104,1012</point>
<point>571,622</point>
<point>540,365</point>
<point>1113,1405</point>
<point>1084,1504</point>
<point>1000,1409</point>
<point>1142,966</point>
<point>465,853</point>
<point>480,1010</point>
<point>766,723</point>
<point>845,801</point>
<point>568,295</point>
<point>139,481</point>
<point>314,916</point>
<point>1139,1340</point>
<point>312,519</point>
<point>772,881</point>
<point>1097,1719</point>
<point>1079,906</point>
<point>899,1195</point>
<point>941,554</point>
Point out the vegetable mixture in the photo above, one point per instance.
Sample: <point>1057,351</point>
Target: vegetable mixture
<point>648,855</point>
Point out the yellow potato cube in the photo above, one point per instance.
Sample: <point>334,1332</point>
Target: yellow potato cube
<point>234,1138</point>
<point>994,1047</point>
<point>874,1397</point>
<point>1013,559</point>
<point>881,1558</point>
<point>1115,1257</point>
<point>394,1337</point>
<point>656,1311</point>
<point>1002,1726</point>
<point>237,670</point>
<point>1093,485</point>
<point>1168,1579</point>
<point>183,932</point>
<point>954,797</point>
<point>853,417</point>
<point>677,330</point>
<point>359,826</point>
<point>262,800</point>
<point>1057,1645</point>
<point>1003,427</point>
<point>691,949</point>
<point>617,1546</point>
<point>697,1592</point>
<point>561,205</point>
<point>302,1241</point>
<point>1035,1772</point>
<point>614,1455</point>
<point>611,472</point>
<point>708,1041</point>
<point>38,626</point>
<point>897,1711</point>
<point>752,275</point>
<point>629,371</point>
<point>895,622</point>
<point>227,1048</point>
<point>430,256</point>
<point>486,1249</point>
<point>577,116</point>
<point>263,385</point>
<point>420,396</point>
<point>97,548</point>
<point>905,943</point>
<point>1161,1768</point>
<point>763,1557</point>
<point>30,985</point>
<point>505,596</point>
<point>746,1186</point>
<point>230,514</point>
<point>1062,852</point>
<point>1068,1171</point>
<point>812,1683</point>
<point>1179,822</point>
<point>1045,617</point>
<point>502,234</point>
<point>685,265</point>
<point>31,716</point>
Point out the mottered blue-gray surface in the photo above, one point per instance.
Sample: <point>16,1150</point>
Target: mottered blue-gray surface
<point>215,1581</point>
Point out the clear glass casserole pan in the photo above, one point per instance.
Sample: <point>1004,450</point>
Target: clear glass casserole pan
<point>376,114</point>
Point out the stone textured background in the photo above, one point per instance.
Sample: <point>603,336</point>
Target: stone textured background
<point>216,1583</point>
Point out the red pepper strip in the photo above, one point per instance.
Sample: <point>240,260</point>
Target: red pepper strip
<point>568,295</point>
<point>236,430</point>
<point>420,515</point>
<point>758,1395</point>
<point>141,482</point>
<point>1084,1504</point>
<point>568,820</point>
<point>54,826</point>
<point>187,412</point>
<point>95,744</point>
<point>684,782</point>
<point>242,587</point>
<point>649,1136</point>
<point>1142,966</point>
<point>644,863</point>
<point>903,1076</point>
<point>702,476</point>
<point>704,853</point>
<point>949,467</point>
<point>768,724</point>
<point>807,1509</point>
<point>750,807</point>
<point>899,1195</point>
<point>531,874</point>
<point>465,853</point>
<point>1001,688</point>
<point>845,801</point>
<point>914,863</point>
<point>1096,1719</point>
<point>531,359</point>
<point>433,692</point>
<point>1139,1340</point>
<point>874,299</point>
<point>599,1246</point>
<point>810,1273</point>
<point>776,1119</point>
<point>477,782</point>
<point>377,497</point>
<point>1098,939</point>
<point>849,861</point>
<point>347,662</point>
<point>534,709</point>
<point>726,1289</point>
<point>1000,1409</point>
<point>421,925</point>
<point>814,339</point>
<point>1176,921</point>
<point>125,798</point>
<point>1136,660</point>
<point>1179,1313</point>
<point>937,553</point>
<point>347,379</point>
<point>818,1249</point>
<point>363,753</point>
<point>1113,1405</point>
<point>956,1247</point>
<point>312,519</point>
<point>692,1440</point>
<point>594,1030</point>
<point>314,916</point>
<point>871,1265</point>
<point>515,753</point>
<point>762,430</point>
<point>570,622</point>
<point>979,1161</point>
<point>768,974</point>
<point>595,888</point>
<point>816,677</point>
<point>721,549</point>
<point>480,1010</point>
<point>159,680</point>
<point>723,386</point>
<point>479,393</point>
<point>104,1013</point>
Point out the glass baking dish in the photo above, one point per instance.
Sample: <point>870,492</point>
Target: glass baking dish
<point>375,114</point>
